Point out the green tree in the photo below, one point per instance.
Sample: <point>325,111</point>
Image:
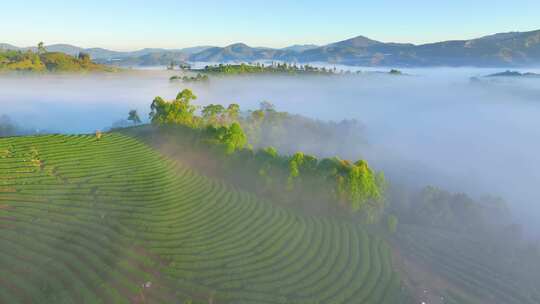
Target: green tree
<point>179,111</point>
<point>84,57</point>
<point>356,185</point>
<point>134,117</point>
<point>41,48</point>
<point>235,138</point>
<point>212,112</point>
<point>271,152</point>
<point>233,112</point>
<point>257,116</point>
<point>266,158</point>
<point>296,161</point>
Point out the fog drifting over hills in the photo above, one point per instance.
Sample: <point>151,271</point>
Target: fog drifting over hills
<point>434,127</point>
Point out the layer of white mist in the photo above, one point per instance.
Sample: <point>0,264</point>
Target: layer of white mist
<point>435,127</point>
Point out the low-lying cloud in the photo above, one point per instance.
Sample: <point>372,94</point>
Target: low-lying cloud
<point>435,127</point>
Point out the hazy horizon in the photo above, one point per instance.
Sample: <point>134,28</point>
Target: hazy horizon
<point>282,46</point>
<point>100,23</point>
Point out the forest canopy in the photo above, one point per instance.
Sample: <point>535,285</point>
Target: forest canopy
<point>348,185</point>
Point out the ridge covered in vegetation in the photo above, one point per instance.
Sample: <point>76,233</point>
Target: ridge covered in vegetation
<point>259,68</point>
<point>219,134</point>
<point>43,61</point>
<point>190,209</point>
<point>106,219</point>
<point>218,143</point>
<point>187,79</point>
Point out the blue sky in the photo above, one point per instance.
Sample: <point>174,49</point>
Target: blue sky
<point>134,24</point>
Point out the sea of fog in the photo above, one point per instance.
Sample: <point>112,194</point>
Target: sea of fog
<point>432,127</point>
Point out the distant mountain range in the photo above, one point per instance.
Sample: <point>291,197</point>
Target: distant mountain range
<point>515,74</point>
<point>499,50</point>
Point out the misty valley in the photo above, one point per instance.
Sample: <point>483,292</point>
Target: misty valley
<point>267,182</point>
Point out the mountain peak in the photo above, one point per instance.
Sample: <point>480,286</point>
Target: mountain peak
<point>356,42</point>
<point>238,45</point>
<point>500,36</point>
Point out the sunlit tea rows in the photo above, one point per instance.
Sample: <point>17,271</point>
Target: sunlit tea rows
<point>106,219</point>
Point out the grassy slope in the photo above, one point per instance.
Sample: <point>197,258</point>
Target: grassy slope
<point>15,61</point>
<point>474,271</point>
<point>87,220</point>
<point>457,267</point>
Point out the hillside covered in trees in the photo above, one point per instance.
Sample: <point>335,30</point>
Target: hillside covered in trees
<point>215,204</point>
<point>44,61</point>
<point>221,140</point>
<point>236,146</point>
<point>259,68</point>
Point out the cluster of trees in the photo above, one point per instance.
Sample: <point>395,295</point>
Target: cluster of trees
<point>278,68</point>
<point>132,120</point>
<point>43,61</point>
<point>297,177</point>
<point>289,133</point>
<point>438,208</point>
<point>179,111</point>
<point>11,60</point>
<point>10,128</point>
<point>133,116</point>
<point>218,123</point>
<point>259,68</point>
<point>181,66</point>
<point>187,79</point>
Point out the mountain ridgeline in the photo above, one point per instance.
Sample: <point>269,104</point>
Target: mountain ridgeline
<point>503,49</point>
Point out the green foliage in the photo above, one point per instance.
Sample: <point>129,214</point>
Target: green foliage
<point>212,113</point>
<point>217,115</point>
<point>270,151</point>
<point>84,57</point>
<point>295,163</point>
<point>440,208</point>
<point>187,79</point>
<point>133,116</point>
<point>41,47</point>
<point>44,61</point>
<point>21,61</point>
<point>234,139</point>
<point>178,111</point>
<point>233,112</point>
<point>354,185</point>
<point>277,68</point>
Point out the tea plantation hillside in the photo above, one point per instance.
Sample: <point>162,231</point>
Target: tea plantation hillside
<point>109,220</point>
<point>481,274</point>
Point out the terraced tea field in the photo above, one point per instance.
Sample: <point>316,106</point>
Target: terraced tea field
<point>84,220</point>
<point>467,266</point>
